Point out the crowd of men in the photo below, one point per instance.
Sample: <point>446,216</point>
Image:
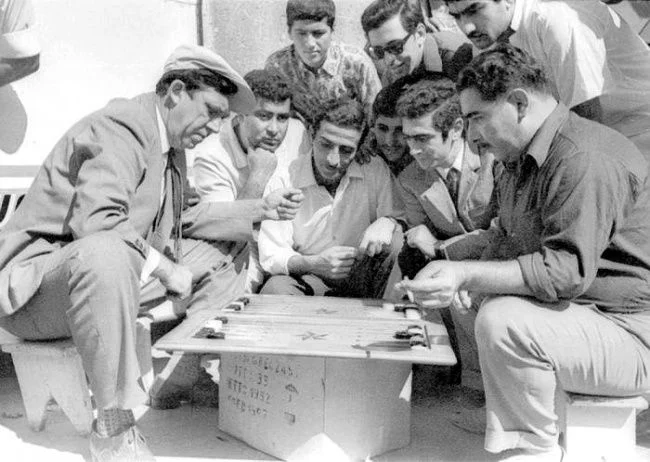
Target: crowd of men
<point>499,163</point>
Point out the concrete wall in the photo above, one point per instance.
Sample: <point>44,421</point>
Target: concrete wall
<point>92,51</point>
<point>245,32</point>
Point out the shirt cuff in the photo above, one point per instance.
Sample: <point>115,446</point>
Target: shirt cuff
<point>150,264</point>
<point>536,278</point>
<point>19,44</point>
<point>279,263</point>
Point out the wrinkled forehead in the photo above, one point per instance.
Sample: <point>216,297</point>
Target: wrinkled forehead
<point>391,122</point>
<point>267,105</point>
<point>337,135</point>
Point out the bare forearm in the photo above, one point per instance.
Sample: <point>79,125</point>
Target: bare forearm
<point>254,187</point>
<point>492,277</point>
<point>300,264</point>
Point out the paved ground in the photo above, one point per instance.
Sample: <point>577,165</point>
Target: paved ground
<point>190,433</point>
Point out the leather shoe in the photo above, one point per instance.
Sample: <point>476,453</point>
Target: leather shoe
<point>128,446</point>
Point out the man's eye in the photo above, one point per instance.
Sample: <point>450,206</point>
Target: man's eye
<point>318,34</point>
<point>325,144</point>
<point>422,138</point>
<point>382,128</point>
<point>263,116</point>
<point>347,151</point>
<point>283,117</point>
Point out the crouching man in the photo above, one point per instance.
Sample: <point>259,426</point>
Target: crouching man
<point>567,267</point>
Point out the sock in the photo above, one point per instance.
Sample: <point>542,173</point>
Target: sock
<point>111,422</point>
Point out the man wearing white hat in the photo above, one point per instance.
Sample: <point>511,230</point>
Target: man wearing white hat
<point>102,217</point>
<point>19,47</point>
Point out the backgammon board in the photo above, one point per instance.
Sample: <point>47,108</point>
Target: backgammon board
<point>315,326</point>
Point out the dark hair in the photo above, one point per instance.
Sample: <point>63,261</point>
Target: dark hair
<point>386,100</point>
<point>311,10</point>
<point>268,84</point>
<point>343,112</point>
<point>195,79</point>
<point>437,96</point>
<point>380,11</point>
<point>495,72</point>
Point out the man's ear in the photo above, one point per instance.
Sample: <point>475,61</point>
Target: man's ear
<point>420,34</point>
<point>456,130</point>
<point>174,93</point>
<point>520,99</point>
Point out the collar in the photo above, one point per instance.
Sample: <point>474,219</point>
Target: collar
<point>517,17</point>
<point>458,163</point>
<point>540,145</point>
<point>329,66</point>
<point>162,131</point>
<point>305,173</point>
<point>231,141</point>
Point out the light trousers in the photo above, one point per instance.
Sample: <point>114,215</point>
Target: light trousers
<point>527,349</point>
<point>91,292</point>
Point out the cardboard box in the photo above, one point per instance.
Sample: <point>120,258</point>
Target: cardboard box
<point>311,409</point>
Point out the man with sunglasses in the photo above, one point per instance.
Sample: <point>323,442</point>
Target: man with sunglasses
<point>317,68</point>
<point>345,237</point>
<point>400,45</point>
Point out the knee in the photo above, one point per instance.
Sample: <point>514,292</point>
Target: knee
<point>279,285</point>
<point>495,320</point>
<point>105,255</point>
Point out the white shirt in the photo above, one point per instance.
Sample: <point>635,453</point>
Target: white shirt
<point>364,194</point>
<point>588,51</point>
<point>221,169</point>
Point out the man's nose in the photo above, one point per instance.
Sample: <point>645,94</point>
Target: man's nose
<point>215,125</point>
<point>310,41</point>
<point>465,24</point>
<point>272,127</point>
<point>334,158</point>
<point>473,132</point>
<point>414,150</point>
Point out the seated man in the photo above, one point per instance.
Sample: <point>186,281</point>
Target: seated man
<point>447,191</point>
<point>387,140</point>
<point>318,69</point>
<point>566,272</point>
<point>400,45</point>
<point>232,168</point>
<point>101,217</point>
<point>345,236</point>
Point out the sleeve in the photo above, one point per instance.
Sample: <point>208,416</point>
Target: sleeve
<point>572,242</point>
<point>18,38</point>
<point>106,165</point>
<point>217,221</point>
<point>275,242</point>
<point>475,245</point>
<point>415,214</point>
<point>575,54</point>
<point>389,201</point>
<point>211,177</point>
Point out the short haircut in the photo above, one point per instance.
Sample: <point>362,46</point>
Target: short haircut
<point>432,96</point>
<point>344,112</point>
<point>495,72</point>
<point>311,10</point>
<point>386,100</point>
<point>268,84</point>
<point>380,11</point>
<point>195,79</point>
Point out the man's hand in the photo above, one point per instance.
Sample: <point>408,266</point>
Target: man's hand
<point>436,285</point>
<point>177,279</point>
<point>282,204</point>
<point>262,161</point>
<point>333,263</point>
<point>378,237</point>
<point>421,238</point>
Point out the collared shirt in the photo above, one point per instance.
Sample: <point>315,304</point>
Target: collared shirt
<point>588,52</point>
<point>153,257</point>
<point>364,195</point>
<point>221,168</point>
<point>17,36</point>
<point>458,164</point>
<point>346,70</point>
<point>575,212</point>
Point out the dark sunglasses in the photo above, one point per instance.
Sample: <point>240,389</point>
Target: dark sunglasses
<point>396,47</point>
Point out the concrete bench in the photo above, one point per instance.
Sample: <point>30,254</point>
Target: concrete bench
<point>599,428</point>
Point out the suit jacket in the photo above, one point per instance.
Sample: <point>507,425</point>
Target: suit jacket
<point>427,199</point>
<point>104,174</point>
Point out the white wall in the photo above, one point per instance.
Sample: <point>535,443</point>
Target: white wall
<point>92,51</point>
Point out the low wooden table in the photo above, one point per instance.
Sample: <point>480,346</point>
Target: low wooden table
<point>314,378</point>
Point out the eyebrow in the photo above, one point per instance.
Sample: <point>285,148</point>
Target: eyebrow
<point>469,115</point>
<point>465,11</point>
